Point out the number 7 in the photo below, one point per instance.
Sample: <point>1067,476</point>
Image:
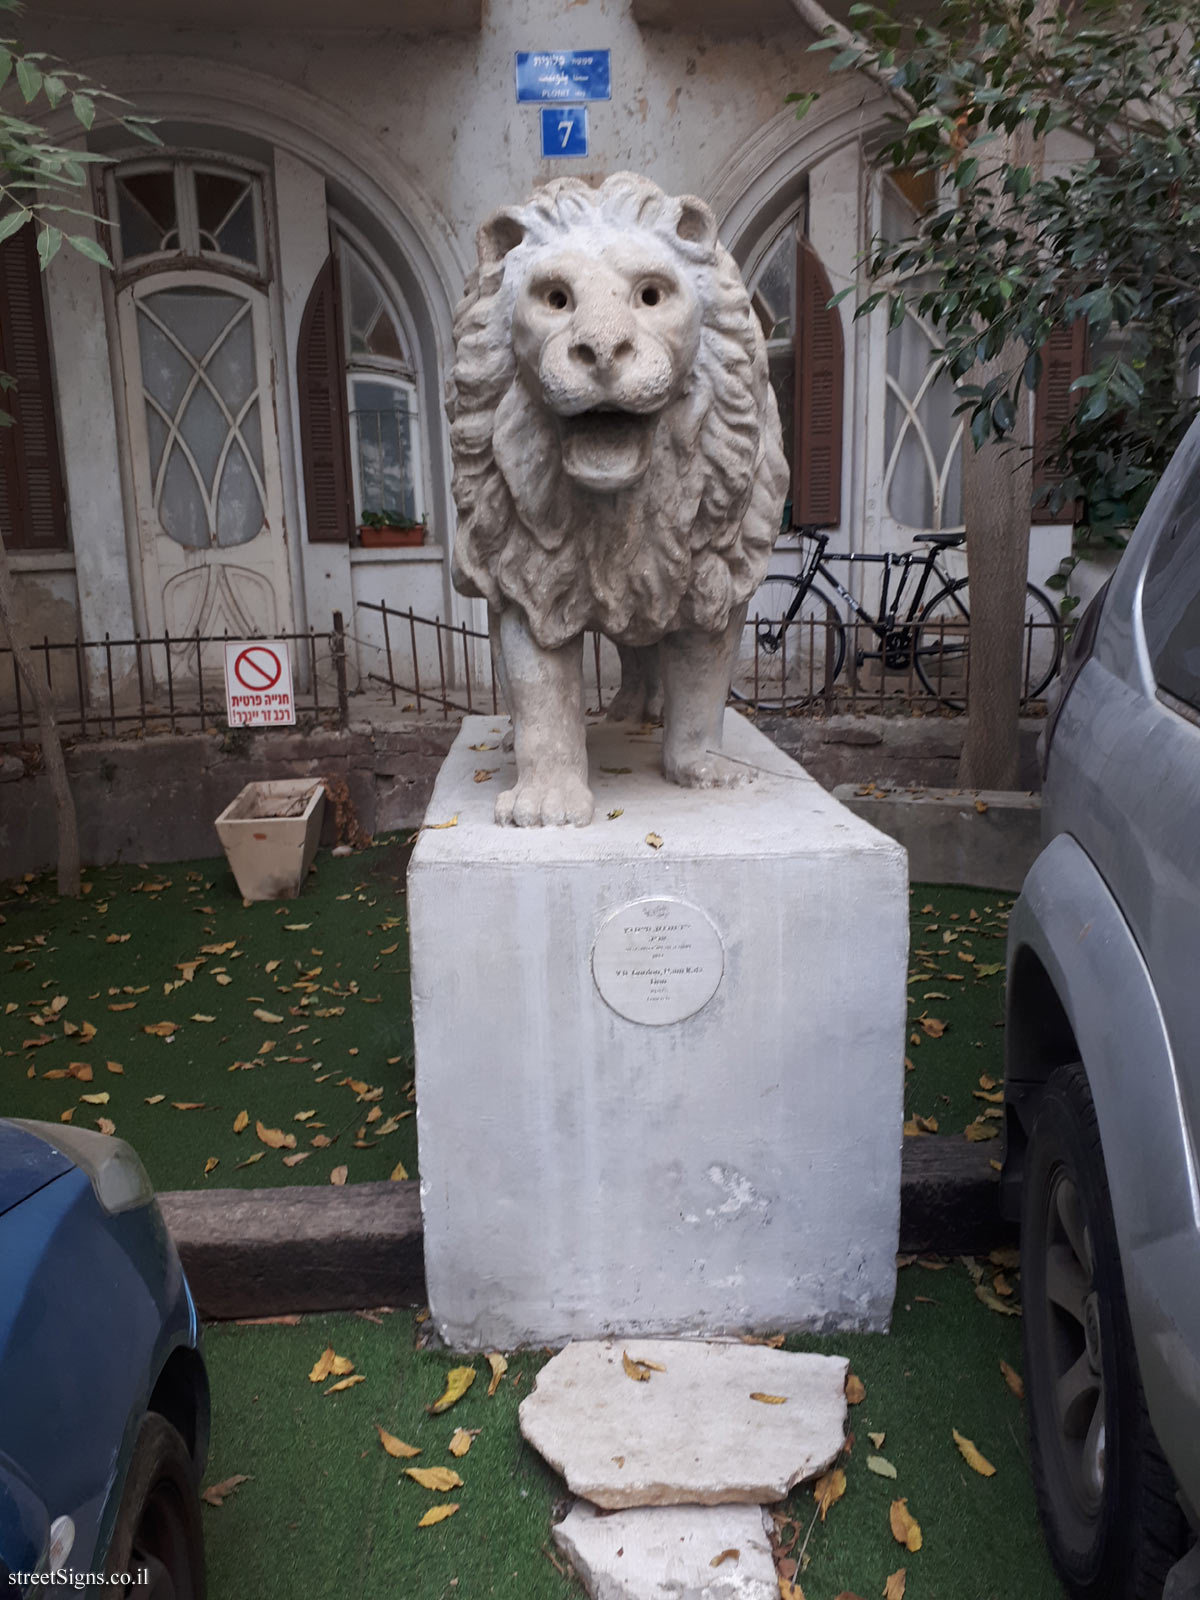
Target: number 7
<point>566,125</point>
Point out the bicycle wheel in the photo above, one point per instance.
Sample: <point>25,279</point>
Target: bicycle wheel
<point>783,662</point>
<point>940,644</point>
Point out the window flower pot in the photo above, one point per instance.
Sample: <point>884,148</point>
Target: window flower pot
<point>269,835</point>
<point>390,538</point>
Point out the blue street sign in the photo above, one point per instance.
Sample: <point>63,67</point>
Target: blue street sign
<point>546,77</point>
<point>564,131</point>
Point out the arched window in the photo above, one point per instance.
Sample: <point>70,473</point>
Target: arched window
<point>360,423</point>
<point>385,452</point>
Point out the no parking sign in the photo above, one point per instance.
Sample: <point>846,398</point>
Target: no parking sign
<point>258,684</point>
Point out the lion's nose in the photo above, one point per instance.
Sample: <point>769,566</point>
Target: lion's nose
<point>602,346</point>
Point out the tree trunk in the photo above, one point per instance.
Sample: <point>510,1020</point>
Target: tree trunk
<point>997,496</point>
<point>52,750</point>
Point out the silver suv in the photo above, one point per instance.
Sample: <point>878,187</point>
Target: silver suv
<point>1103,1077</point>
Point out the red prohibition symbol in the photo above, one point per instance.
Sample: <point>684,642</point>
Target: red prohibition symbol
<point>257,668</point>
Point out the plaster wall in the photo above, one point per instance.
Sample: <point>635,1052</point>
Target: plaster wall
<point>442,111</point>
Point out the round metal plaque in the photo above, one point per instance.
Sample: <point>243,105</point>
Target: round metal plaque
<point>658,961</point>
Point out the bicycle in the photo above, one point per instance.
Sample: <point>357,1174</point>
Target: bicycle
<point>797,646</point>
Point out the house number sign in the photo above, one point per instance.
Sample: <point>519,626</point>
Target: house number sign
<point>658,961</point>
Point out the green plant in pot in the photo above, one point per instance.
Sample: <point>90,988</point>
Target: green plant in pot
<point>389,528</point>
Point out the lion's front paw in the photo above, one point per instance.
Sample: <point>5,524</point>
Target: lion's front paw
<point>546,800</point>
<point>704,770</point>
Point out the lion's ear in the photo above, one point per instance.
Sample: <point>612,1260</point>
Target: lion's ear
<point>696,224</point>
<point>502,232</point>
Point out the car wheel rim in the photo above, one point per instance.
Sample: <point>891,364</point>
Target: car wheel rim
<point>1073,1310</point>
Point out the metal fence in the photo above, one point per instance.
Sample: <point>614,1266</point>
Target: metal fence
<point>164,684</point>
<point>819,666</point>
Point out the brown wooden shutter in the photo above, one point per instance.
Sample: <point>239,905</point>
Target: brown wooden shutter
<point>820,365</point>
<point>33,512</point>
<point>1064,358</point>
<point>324,424</point>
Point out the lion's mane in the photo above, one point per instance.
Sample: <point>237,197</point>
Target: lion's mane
<point>680,549</point>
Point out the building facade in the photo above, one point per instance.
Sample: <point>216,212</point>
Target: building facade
<point>202,429</point>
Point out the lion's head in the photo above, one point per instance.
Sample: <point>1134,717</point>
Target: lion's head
<point>616,442</point>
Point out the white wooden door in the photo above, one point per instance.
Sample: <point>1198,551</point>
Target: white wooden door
<point>205,456</point>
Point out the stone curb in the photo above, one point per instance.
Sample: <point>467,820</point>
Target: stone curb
<point>270,1252</point>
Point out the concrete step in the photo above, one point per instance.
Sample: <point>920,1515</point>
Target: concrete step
<point>268,1252</point>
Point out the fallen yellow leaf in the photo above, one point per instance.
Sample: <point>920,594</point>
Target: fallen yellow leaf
<point>346,1383</point>
<point>458,1381</point>
<point>395,1447</point>
<point>330,1365</point>
<point>188,1105</point>
<point>87,1033</point>
<point>215,1494</point>
<point>906,1530</point>
<point>978,1131</point>
<point>162,1029</point>
<point>153,1099</point>
<point>114,1066</point>
<point>881,1467</point>
<point>398,1173</point>
<point>101,1099</point>
<point>856,1390</point>
<point>339,1174</point>
<point>769,1399</point>
<point>977,1462</point>
<point>639,1371</point>
<point>725,1555</point>
<point>295,1159</point>
<point>438,1513</point>
<point>1014,1380</point>
<point>654,840</point>
<point>296,927</point>
<point>462,1440</point>
<point>105,1126</point>
<point>211,1165</point>
<point>442,1479</point>
<point>242,1120</point>
<point>893,1589</point>
<point>499,1366</point>
<point>267,1016</point>
<point>432,827</point>
<point>275,1138</point>
<point>828,1490</point>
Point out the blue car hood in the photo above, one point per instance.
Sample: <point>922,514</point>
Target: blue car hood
<point>27,1164</point>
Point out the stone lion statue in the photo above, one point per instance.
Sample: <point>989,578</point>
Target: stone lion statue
<point>617,466</point>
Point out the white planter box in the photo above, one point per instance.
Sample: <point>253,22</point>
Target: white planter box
<point>269,835</point>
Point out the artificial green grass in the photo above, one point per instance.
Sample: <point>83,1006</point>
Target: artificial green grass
<point>956,978</point>
<point>327,1513</point>
<point>339,986</point>
<point>113,952</point>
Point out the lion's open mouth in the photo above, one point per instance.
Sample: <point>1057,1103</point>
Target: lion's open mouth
<point>606,449</point>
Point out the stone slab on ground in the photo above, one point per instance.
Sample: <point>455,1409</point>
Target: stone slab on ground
<point>989,837</point>
<point>746,1146</point>
<point>268,1252</point>
<point>690,1434</point>
<point>667,1553</point>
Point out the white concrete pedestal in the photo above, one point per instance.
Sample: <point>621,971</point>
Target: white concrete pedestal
<point>713,1147</point>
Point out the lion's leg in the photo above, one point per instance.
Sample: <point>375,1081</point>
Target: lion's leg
<point>639,698</point>
<point>545,695</point>
<point>696,669</point>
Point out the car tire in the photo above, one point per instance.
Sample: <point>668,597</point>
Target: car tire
<point>157,1531</point>
<point>1106,1495</point>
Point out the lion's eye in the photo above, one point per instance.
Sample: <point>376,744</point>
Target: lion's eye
<point>650,295</point>
<point>556,298</point>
